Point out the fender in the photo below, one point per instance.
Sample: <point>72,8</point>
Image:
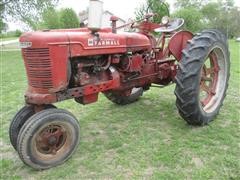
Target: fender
<point>178,42</point>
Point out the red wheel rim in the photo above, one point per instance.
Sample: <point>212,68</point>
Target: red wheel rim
<point>209,79</point>
<point>51,139</point>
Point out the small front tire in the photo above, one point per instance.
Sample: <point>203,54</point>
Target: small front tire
<point>48,138</point>
<point>17,122</point>
<point>19,119</point>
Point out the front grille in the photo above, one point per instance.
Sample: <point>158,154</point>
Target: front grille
<point>38,65</point>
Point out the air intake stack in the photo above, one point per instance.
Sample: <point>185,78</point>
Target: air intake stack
<point>95,15</point>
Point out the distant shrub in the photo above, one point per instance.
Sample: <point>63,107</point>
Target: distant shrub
<point>18,33</point>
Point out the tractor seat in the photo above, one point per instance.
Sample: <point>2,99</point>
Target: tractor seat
<point>173,25</point>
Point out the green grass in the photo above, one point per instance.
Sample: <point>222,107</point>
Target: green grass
<point>147,139</point>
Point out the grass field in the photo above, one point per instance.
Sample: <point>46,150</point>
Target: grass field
<point>147,139</point>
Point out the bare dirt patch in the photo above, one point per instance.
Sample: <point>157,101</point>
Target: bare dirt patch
<point>147,102</point>
<point>225,123</point>
<point>198,162</point>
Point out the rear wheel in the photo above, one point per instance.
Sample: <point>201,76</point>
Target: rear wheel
<point>122,99</point>
<point>48,138</point>
<point>19,119</point>
<point>202,78</point>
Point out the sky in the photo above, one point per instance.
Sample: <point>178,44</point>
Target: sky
<point>122,8</point>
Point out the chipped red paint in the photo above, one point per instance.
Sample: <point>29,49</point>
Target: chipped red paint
<point>178,42</point>
<point>127,60</point>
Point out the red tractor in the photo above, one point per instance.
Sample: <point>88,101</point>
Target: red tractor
<point>81,63</point>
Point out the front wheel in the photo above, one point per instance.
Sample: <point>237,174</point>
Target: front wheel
<point>202,77</point>
<point>48,138</point>
<point>19,119</point>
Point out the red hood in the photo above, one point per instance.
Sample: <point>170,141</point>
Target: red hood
<point>83,43</point>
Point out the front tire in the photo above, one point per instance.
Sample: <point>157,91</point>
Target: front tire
<point>202,77</point>
<point>19,119</point>
<point>48,138</point>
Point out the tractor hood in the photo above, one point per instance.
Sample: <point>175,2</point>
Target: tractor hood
<point>82,42</point>
<point>42,39</point>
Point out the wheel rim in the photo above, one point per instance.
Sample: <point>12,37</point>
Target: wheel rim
<point>52,141</point>
<point>213,80</point>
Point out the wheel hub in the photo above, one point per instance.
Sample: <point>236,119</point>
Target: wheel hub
<point>213,80</point>
<point>51,139</point>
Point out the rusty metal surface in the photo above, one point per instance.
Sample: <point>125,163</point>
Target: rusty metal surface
<point>76,63</point>
<point>209,79</point>
<point>51,139</point>
<point>178,42</point>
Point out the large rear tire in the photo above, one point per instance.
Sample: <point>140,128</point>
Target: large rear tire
<point>122,99</point>
<point>202,77</point>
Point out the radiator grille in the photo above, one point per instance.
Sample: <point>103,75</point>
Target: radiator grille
<point>38,65</point>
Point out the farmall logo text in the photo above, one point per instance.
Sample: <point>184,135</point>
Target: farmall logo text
<point>103,42</point>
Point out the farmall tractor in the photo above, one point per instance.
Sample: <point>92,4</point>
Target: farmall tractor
<point>81,63</point>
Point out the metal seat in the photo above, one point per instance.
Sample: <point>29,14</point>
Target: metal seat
<point>173,25</point>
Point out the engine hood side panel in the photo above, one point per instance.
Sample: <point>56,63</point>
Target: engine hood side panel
<point>87,44</point>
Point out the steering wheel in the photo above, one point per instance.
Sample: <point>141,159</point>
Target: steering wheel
<point>150,13</point>
<point>172,25</point>
<point>147,16</point>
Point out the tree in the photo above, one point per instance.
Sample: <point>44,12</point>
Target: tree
<point>234,27</point>
<point>50,19</point>
<point>222,15</point>
<point>188,3</point>
<point>161,8</point>
<point>210,12</point>
<point>229,22</point>
<point>53,19</point>
<point>229,3</point>
<point>3,26</point>
<point>28,12</point>
<point>68,18</point>
<point>18,33</point>
<point>193,18</point>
